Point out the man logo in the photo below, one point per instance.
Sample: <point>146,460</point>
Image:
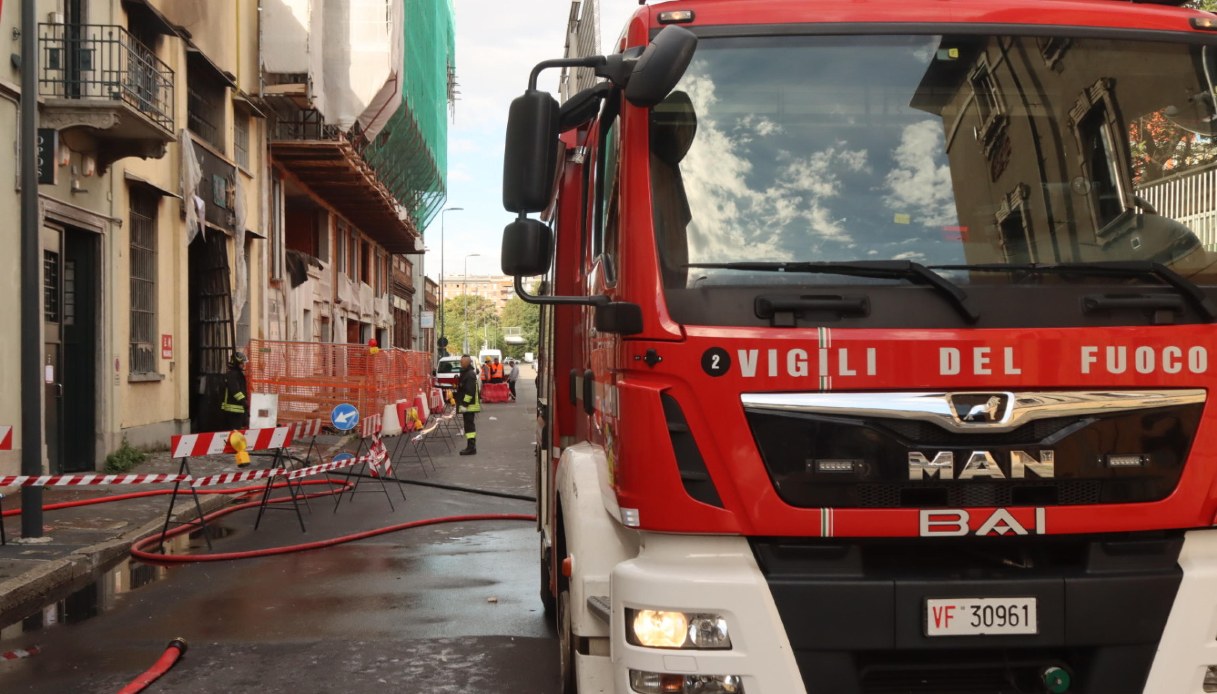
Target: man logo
<point>980,408</point>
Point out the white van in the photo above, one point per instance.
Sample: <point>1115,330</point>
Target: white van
<point>448,372</point>
<point>492,353</point>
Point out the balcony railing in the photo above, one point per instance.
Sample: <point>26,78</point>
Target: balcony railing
<point>104,62</point>
<point>305,125</point>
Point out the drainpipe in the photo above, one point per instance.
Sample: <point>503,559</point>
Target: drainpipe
<point>31,297</point>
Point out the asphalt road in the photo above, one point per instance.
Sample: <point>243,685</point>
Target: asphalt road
<point>446,608</point>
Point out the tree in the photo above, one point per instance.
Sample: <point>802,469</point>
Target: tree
<point>526,317</point>
<point>482,322</point>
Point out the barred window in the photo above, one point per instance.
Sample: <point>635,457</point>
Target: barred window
<point>240,139</point>
<point>143,282</point>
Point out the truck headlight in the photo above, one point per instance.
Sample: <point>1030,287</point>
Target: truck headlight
<point>671,629</point>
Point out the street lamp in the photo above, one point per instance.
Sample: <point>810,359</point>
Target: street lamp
<point>441,265</point>
<point>465,293</point>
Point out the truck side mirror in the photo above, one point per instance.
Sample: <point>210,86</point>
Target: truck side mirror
<point>661,66</point>
<point>528,246</point>
<point>530,157</point>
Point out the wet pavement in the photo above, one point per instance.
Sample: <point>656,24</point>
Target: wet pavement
<point>442,608</point>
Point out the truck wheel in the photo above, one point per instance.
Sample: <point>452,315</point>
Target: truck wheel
<point>566,645</point>
<point>547,594</point>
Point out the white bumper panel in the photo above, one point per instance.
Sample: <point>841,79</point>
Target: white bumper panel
<point>1189,644</point>
<point>703,574</point>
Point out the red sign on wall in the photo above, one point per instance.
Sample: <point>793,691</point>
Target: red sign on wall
<point>166,346</point>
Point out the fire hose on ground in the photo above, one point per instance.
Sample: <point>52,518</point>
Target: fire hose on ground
<point>177,647</point>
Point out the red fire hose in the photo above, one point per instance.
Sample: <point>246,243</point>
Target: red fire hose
<point>176,649</point>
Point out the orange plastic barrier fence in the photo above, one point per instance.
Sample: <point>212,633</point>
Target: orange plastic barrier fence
<point>311,378</point>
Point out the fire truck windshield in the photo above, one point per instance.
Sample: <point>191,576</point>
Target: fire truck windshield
<point>948,151</point>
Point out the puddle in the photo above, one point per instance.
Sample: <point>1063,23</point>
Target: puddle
<point>106,592</point>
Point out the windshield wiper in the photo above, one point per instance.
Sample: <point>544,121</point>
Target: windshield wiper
<point>882,269</point>
<point>1111,268</point>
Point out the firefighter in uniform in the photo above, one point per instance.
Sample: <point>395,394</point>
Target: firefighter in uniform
<point>232,407</point>
<point>469,404</point>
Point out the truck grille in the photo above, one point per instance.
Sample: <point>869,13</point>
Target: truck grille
<point>876,451</point>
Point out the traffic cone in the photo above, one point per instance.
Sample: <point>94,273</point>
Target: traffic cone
<point>390,425</point>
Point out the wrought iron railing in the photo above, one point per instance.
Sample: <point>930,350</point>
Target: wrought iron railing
<point>101,61</point>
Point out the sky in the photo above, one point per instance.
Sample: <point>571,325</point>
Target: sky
<point>497,44</point>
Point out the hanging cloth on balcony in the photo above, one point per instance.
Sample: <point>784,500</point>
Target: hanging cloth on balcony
<point>241,293</point>
<point>191,175</point>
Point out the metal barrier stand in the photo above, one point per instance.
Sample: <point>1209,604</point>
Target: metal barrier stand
<point>294,490</point>
<point>201,521</point>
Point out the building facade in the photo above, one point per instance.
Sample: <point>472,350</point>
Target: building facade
<point>212,172</point>
<point>140,273</point>
<point>497,289</point>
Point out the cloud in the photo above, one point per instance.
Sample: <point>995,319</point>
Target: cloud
<point>920,183</point>
<point>749,202</point>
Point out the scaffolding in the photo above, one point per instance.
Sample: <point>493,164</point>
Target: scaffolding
<point>410,155</point>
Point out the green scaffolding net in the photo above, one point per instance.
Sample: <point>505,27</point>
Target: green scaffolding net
<point>410,155</point>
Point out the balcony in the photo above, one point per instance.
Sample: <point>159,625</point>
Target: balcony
<point>330,163</point>
<point>99,81</point>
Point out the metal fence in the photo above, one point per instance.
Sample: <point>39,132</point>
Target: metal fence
<point>1189,198</point>
<point>311,378</point>
<point>100,61</point>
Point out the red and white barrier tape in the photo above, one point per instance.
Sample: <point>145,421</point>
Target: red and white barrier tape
<point>228,477</point>
<point>20,653</point>
<point>82,480</point>
<point>326,467</point>
<point>378,456</point>
<point>6,437</point>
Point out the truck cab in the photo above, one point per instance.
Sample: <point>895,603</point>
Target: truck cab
<point>877,339</point>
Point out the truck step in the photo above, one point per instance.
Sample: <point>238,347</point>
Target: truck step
<point>600,606</point>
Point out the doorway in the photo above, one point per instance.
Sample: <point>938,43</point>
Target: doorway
<point>71,288</point>
<point>211,328</point>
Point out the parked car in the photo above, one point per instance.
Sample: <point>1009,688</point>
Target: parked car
<point>448,372</point>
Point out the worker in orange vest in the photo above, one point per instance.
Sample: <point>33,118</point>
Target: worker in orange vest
<point>486,370</point>
<point>496,371</point>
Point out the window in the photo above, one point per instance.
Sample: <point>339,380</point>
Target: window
<point>143,282</point>
<point>205,101</point>
<point>276,228</point>
<point>604,241</point>
<point>1098,137</point>
<point>240,139</point>
<point>322,234</point>
<point>990,108</point>
<point>50,286</point>
<point>364,263</point>
<point>340,247</point>
<point>1014,227</point>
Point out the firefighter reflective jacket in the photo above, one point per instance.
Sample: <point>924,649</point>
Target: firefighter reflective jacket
<point>467,399</point>
<point>234,391</point>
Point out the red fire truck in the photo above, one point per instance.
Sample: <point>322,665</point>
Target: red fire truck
<point>877,345</point>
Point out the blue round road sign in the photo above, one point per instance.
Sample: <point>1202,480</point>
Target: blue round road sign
<point>344,417</point>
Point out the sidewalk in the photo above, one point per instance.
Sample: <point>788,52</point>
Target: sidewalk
<point>85,540</point>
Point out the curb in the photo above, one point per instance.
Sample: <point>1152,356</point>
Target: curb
<point>56,578</point>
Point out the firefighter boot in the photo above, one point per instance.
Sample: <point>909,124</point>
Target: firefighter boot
<point>471,447</point>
